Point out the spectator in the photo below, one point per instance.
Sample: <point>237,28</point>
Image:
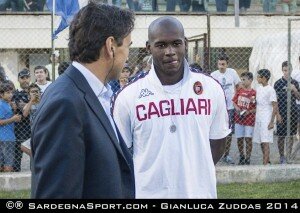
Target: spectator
<point>289,6</point>
<point>35,5</point>
<point>29,111</point>
<point>16,5</point>
<point>266,111</point>
<point>7,120</point>
<point>49,66</point>
<point>221,5</point>
<point>31,107</point>
<point>229,80</point>
<point>62,67</point>
<point>269,6</point>
<point>41,73</point>
<point>280,87</point>
<point>199,5</point>
<point>144,67</point>
<point>22,128</point>
<point>184,5</point>
<point>3,5</point>
<point>244,116</point>
<point>244,5</point>
<point>123,79</point>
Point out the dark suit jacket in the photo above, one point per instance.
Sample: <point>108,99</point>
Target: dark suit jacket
<point>75,151</point>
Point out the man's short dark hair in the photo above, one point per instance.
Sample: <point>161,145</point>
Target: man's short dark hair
<point>223,57</point>
<point>6,86</point>
<point>92,25</point>
<point>264,73</point>
<point>284,64</point>
<point>41,67</point>
<point>249,75</point>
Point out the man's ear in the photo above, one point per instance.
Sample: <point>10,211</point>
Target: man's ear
<point>109,46</point>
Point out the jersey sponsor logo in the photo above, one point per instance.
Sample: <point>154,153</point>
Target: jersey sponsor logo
<point>145,93</point>
<point>198,89</point>
<point>170,108</point>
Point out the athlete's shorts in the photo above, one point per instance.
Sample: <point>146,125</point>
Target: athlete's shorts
<point>261,134</point>
<point>242,131</point>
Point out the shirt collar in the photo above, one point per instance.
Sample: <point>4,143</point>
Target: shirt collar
<point>97,86</point>
<point>156,80</point>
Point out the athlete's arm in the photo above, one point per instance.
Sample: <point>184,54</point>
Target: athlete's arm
<point>217,147</point>
<point>219,128</point>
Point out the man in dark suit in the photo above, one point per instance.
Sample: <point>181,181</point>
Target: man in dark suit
<point>77,150</point>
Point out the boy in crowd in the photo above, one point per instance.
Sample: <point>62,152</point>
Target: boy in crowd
<point>30,110</point>
<point>280,87</point>
<point>7,119</point>
<point>266,110</point>
<point>124,78</point>
<point>244,104</point>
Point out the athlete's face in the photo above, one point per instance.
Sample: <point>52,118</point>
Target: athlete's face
<point>167,46</point>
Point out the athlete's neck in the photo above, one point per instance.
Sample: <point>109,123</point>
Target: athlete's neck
<point>169,79</point>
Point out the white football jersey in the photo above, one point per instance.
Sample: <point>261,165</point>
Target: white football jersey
<point>168,163</point>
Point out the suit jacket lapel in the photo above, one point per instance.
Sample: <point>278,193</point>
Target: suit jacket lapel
<point>94,104</point>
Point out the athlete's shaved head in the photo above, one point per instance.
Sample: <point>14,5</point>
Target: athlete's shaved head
<point>167,44</point>
<point>166,23</point>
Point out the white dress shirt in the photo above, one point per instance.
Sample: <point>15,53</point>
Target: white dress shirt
<point>104,93</point>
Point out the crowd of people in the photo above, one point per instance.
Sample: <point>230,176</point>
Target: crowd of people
<point>17,110</point>
<point>268,6</point>
<point>254,113</point>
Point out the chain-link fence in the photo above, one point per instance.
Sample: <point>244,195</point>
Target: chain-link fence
<point>214,43</point>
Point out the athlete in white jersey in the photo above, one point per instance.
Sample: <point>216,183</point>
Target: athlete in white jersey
<point>175,119</point>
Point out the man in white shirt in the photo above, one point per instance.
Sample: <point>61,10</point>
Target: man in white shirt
<point>174,119</point>
<point>40,74</point>
<point>229,80</point>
